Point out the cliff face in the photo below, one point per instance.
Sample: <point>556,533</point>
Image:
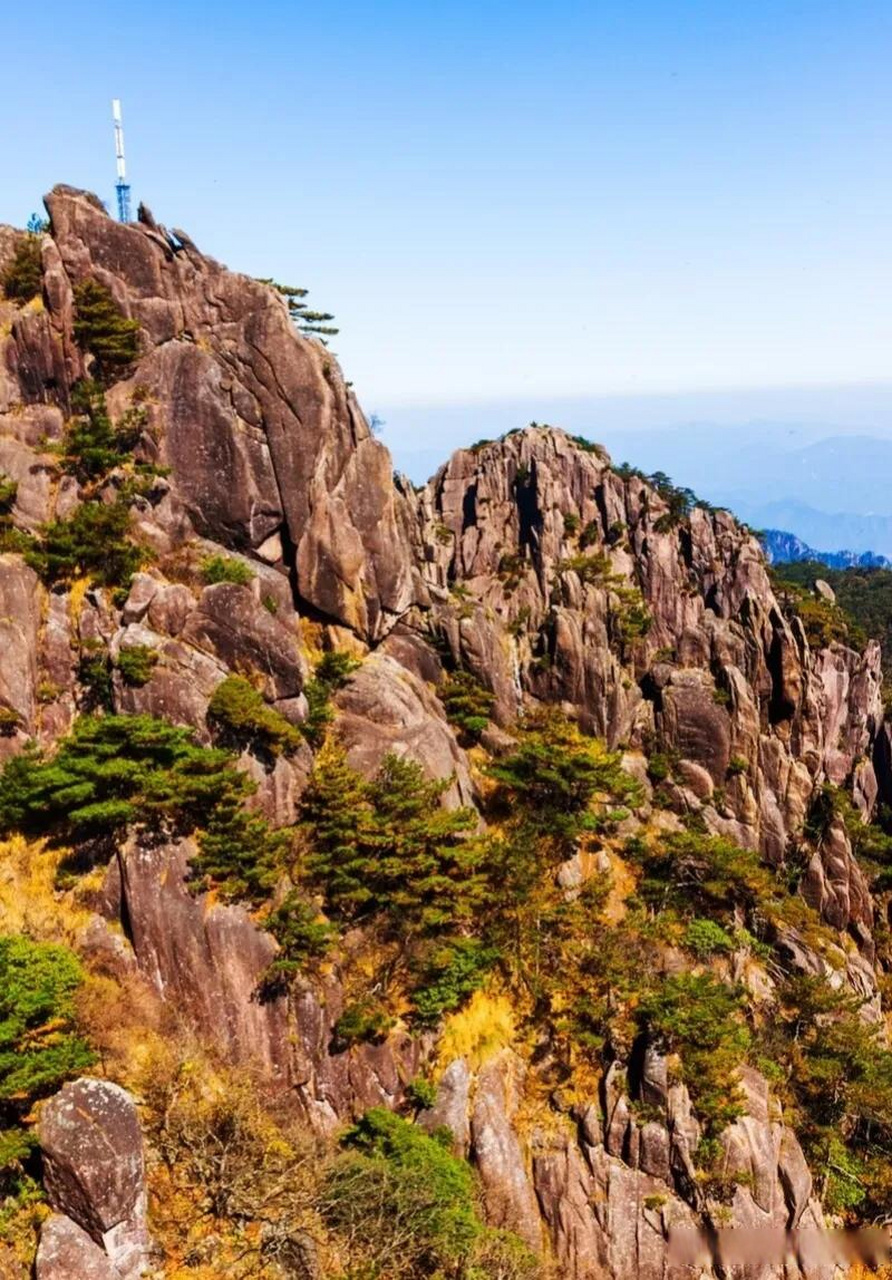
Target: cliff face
<point>528,562</point>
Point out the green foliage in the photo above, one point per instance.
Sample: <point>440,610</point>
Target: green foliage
<point>594,569</point>
<point>39,1045</point>
<point>590,534</point>
<point>447,973</point>
<point>364,1020</point>
<point>112,771</point>
<point>588,446</point>
<point>8,493</point>
<point>468,705</point>
<point>93,446</point>
<point>101,329</point>
<point>332,672</point>
<point>694,874</point>
<point>864,596</point>
<point>241,714</point>
<point>94,672</point>
<point>701,1018</point>
<point>706,938</point>
<point>837,1077</point>
<point>825,623</point>
<point>217,568</point>
<point>94,543</point>
<point>303,935</point>
<point>556,774</point>
<point>23,278</point>
<point>315,323</point>
<point>388,846</point>
<point>571,524</point>
<point>239,855</point>
<point>422,1092</point>
<point>136,662</point>
<point>9,721</point>
<point>404,1198</point>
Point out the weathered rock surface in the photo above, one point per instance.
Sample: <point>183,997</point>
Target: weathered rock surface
<point>385,708</point>
<point>263,436</point>
<point>66,1252</point>
<point>540,558</point>
<point>93,1168</point>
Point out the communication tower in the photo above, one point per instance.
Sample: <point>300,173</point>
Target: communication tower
<point>122,186</point>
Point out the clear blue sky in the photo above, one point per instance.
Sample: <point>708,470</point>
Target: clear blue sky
<point>501,200</point>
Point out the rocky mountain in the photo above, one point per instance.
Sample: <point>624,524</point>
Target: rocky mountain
<point>515,809</point>
<point>786,548</point>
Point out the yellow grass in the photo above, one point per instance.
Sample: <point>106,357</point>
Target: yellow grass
<point>478,1031</point>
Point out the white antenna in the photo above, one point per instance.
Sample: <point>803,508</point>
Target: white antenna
<point>122,187</point>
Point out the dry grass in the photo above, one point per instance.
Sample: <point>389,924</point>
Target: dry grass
<point>478,1031</point>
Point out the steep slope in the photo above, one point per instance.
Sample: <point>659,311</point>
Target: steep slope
<point>587,971</point>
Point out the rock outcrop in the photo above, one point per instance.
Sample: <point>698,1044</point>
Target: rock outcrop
<point>531,563</point>
<point>94,1174</point>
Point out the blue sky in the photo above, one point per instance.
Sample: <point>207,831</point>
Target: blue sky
<point>502,201</point>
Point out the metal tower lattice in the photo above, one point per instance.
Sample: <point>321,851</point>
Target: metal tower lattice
<point>122,186</point>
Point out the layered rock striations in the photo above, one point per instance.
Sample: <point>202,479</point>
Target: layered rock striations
<point>531,563</point>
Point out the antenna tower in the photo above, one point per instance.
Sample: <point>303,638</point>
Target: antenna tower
<point>122,186</point>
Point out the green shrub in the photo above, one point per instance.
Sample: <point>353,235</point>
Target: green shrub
<point>114,770</point>
<point>706,938</point>
<point>93,446</point>
<point>594,569</point>
<point>388,846</point>
<point>94,543</point>
<point>39,1045</point>
<point>8,493</point>
<point>591,534</point>
<point>304,937</point>
<point>101,329</point>
<point>737,766</point>
<point>136,663</point>
<point>217,568</point>
<point>23,278</point>
<point>404,1201</point>
<point>701,1018</point>
<point>240,712</point>
<point>659,767</point>
<point>468,705</point>
<point>571,523</point>
<point>94,671</point>
<point>362,1021</point>
<point>332,672</point>
<point>556,773</point>
<point>423,1092</point>
<point>239,855</point>
<point>447,974</point>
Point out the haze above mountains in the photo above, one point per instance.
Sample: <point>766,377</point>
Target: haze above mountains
<point>815,462</point>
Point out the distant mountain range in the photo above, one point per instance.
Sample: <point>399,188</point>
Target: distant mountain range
<point>786,548</point>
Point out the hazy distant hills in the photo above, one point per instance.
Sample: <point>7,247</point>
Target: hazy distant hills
<point>786,548</point>
<point>832,492</point>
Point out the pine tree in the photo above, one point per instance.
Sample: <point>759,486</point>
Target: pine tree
<point>101,329</point>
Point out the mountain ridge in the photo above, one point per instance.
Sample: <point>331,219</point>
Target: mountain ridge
<point>410,679</point>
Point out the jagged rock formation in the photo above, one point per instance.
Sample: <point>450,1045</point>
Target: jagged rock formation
<point>529,562</point>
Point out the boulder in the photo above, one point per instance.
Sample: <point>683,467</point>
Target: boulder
<point>93,1168</point>
<point>66,1252</point>
<point>384,708</point>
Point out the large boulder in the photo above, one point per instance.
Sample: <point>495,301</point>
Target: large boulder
<point>94,1170</point>
<point>384,708</point>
